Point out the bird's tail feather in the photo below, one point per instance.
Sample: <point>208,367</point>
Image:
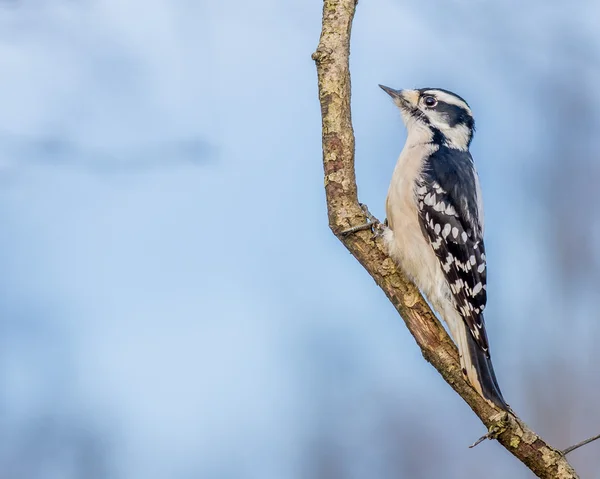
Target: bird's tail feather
<point>478,367</point>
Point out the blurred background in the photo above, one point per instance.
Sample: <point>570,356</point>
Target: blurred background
<point>172,302</point>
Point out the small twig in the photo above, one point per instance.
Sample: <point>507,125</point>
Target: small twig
<point>579,444</point>
<point>481,439</point>
<point>499,425</point>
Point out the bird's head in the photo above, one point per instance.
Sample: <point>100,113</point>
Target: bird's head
<point>435,115</point>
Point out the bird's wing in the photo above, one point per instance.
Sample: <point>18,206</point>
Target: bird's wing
<point>451,219</point>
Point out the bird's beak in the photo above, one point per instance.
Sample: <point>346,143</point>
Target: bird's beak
<point>395,94</point>
<point>402,98</point>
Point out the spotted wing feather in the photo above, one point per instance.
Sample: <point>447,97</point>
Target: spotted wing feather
<point>458,243</point>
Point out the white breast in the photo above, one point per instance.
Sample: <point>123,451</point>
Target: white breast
<point>404,239</point>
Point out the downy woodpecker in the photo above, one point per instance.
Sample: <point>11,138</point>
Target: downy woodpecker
<point>435,217</point>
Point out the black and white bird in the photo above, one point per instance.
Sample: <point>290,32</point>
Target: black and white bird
<point>435,217</point>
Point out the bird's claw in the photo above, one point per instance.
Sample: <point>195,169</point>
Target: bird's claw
<point>354,229</point>
<point>372,224</point>
<point>379,229</point>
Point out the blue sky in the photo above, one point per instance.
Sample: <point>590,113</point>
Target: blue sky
<point>170,284</point>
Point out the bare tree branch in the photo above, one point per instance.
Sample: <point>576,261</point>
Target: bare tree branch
<point>345,212</point>
<point>579,444</point>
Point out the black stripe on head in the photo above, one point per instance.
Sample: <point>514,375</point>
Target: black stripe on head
<point>455,114</point>
<point>415,113</point>
<point>423,90</point>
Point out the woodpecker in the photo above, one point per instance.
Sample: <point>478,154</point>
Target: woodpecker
<point>435,223</point>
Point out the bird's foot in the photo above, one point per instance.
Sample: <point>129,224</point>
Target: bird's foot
<point>372,224</point>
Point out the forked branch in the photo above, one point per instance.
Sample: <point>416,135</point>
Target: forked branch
<point>345,212</point>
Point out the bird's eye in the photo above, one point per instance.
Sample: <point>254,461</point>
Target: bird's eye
<point>430,101</point>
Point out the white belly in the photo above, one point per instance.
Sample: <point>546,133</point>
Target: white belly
<point>405,241</point>
<point>413,253</point>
